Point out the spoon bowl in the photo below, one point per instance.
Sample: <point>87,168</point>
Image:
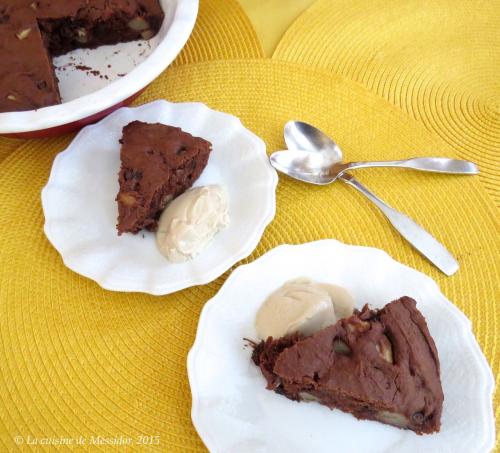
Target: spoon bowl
<point>301,136</point>
<point>308,166</point>
<point>304,136</point>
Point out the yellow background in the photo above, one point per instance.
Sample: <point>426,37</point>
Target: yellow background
<point>390,80</point>
<point>272,18</point>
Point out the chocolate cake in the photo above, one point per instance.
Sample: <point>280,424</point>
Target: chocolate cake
<point>377,364</point>
<point>158,163</point>
<point>31,32</point>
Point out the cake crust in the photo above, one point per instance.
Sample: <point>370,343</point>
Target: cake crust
<point>377,364</point>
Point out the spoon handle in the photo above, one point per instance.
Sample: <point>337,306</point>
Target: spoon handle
<point>423,241</point>
<point>432,164</point>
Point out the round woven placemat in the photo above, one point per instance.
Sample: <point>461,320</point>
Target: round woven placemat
<point>438,60</point>
<point>81,361</point>
<point>223,31</point>
<point>7,145</point>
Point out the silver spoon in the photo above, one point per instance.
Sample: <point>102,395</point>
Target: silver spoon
<point>325,167</point>
<point>302,136</point>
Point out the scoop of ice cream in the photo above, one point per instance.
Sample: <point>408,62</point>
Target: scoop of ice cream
<point>343,302</point>
<point>190,222</point>
<point>304,306</point>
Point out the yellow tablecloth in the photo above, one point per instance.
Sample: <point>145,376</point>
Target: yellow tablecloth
<point>79,362</point>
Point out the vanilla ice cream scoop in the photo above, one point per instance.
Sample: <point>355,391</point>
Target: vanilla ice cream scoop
<point>303,306</point>
<point>190,222</point>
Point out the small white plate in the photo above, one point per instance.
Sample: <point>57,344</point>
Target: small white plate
<point>80,209</point>
<point>233,412</point>
<point>114,74</point>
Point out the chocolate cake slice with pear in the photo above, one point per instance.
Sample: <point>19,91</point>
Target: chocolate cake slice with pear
<point>376,364</point>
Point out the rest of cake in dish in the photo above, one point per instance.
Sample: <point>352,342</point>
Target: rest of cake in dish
<point>158,163</point>
<point>32,31</point>
<point>376,364</point>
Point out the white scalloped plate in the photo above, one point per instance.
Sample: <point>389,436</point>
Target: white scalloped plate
<point>80,209</point>
<point>233,412</point>
<point>88,92</point>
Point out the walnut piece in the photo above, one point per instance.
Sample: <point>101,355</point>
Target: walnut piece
<point>23,34</point>
<point>81,35</point>
<point>127,199</point>
<point>304,396</point>
<point>392,418</point>
<point>356,325</point>
<point>384,348</point>
<point>166,199</point>
<point>147,34</point>
<point>138,24</point>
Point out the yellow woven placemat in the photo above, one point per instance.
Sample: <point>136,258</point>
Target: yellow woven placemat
<point>7,145</point>
<point>223,31</point>
<point>438,60</point>
<point>81,361</point>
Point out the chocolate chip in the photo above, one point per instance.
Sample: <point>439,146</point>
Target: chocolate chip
<point>181,150</point>
<point>279,390</point>
<point>41,84</point>
<point>129,174</point>
<point>418,418</point>
<point>4,15</point>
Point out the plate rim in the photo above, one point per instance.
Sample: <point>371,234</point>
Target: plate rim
<point>486,373</point>
<point>183,22</point>
<point>269,208</point>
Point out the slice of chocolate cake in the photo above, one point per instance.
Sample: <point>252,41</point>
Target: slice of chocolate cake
<point>377,364</point>
<point>158,163</point>
<point>27,79</point>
